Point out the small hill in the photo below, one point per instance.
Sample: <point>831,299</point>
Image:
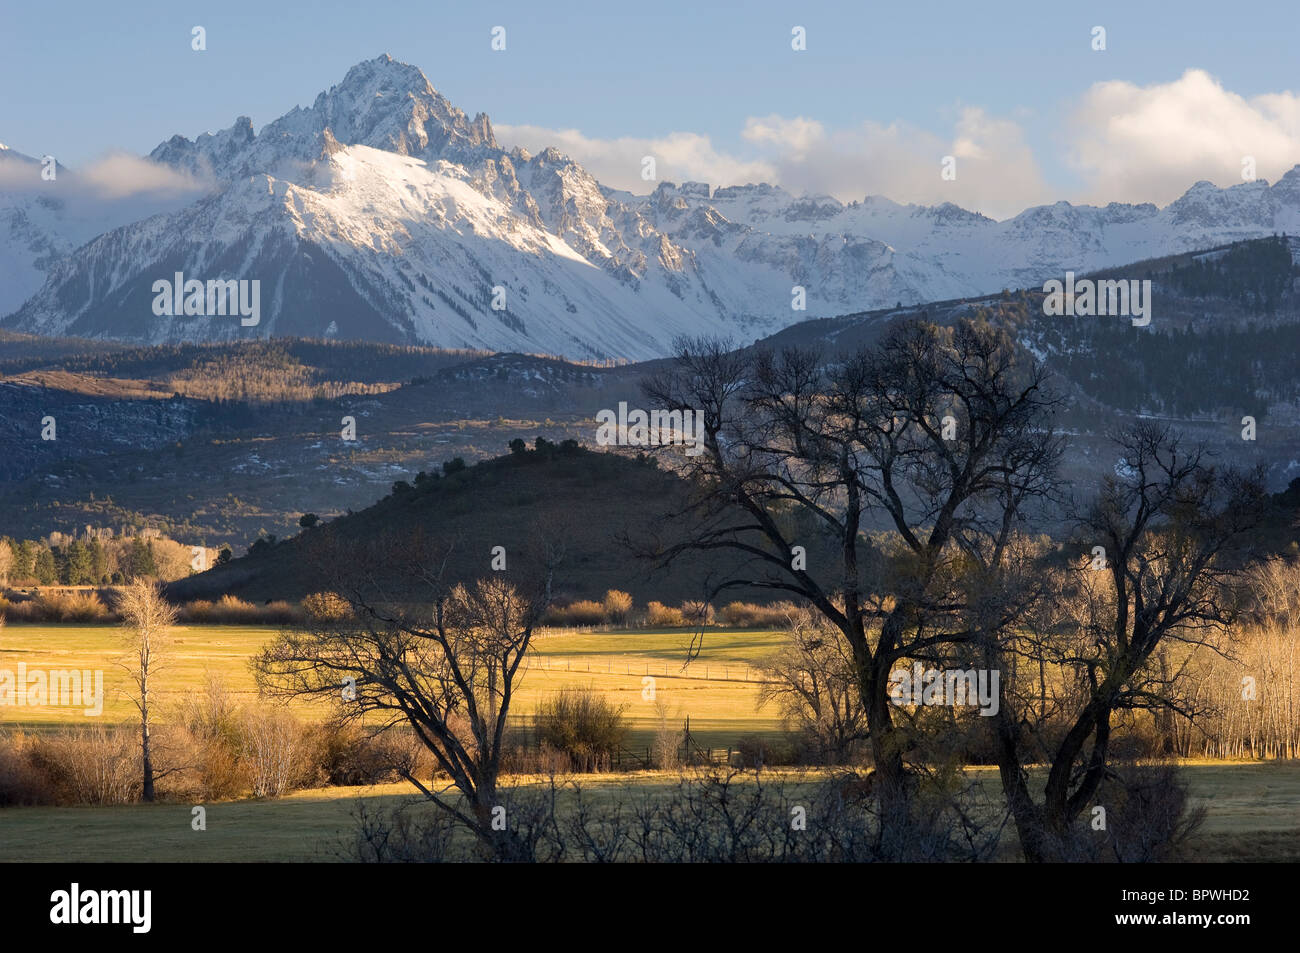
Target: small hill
<point>582,500</point>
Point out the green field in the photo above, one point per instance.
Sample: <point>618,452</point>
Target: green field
<point>1253,808</point>
<point>717,690</point>
<point>1252,815</point>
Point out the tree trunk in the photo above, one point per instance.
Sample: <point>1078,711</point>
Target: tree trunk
<point>1024,812</point>
<point>147,793</point>
<point>1026,815</point>
<point>890,783</point>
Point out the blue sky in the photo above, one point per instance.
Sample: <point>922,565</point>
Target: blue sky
<point>880,89</point>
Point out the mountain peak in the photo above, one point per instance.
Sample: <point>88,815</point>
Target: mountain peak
<point>390,74</point>
<point>382,103</point>
<point>387,104</point>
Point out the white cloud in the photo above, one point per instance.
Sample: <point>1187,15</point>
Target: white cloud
<point>796,135</point>
<point>1148,144</point>
<point>114,176</point>
<point>996,172</point>
<point>120,175</point>
<point>679,157</point>
<point>1126,143</point>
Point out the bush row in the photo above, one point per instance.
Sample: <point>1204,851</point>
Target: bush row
<point>89,605</point>
<point>617,608</point>
<point>212,750</point>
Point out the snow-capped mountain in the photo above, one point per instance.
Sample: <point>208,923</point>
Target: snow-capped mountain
<point>44,220</point>
<point>384,212</point>
<point>934,253</point>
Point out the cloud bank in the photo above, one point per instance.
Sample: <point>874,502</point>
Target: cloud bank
<point>112,177</point>
<point>1125,143</point>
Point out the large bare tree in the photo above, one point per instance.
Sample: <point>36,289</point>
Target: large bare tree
<point>937,438</point>
<point>447,666</point>
<point>1162,544</point>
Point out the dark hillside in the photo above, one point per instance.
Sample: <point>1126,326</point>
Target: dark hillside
<point>580,499</point>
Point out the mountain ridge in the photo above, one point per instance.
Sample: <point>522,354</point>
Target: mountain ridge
<point>383,212</point>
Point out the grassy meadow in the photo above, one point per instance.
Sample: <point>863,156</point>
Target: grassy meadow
<point>717,690</point>
<point>1253,808</point>
<point>1252,815</point>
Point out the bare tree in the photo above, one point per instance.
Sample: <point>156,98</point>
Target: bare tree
<point>1270,661</point>
<point>447,667</point>
<point>147,616</point>
<point>938,436</point>
<point>812,680</point>
<point>1170,532</point>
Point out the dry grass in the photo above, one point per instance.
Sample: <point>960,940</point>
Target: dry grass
<point>715,690</point>
<point>59,605</point>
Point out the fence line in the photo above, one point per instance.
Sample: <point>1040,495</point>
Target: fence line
<point>695,671</point>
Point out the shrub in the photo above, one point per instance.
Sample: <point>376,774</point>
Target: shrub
<point>211,721</point>
<point>197,611</point>
<point>582,724</point>
<point>98,765</point>
<point>585,612</point>
<point>617,606</point>
<point>221,771</point>
<point>346,754</point>
<point>533,759</point>
<point>63,605</point>
<point>276,751</point>
<point>697,612</point>
<point>231,610</point>
<point>338,752</point>
<point>751,616</point>
<point>326,607</point>
<point>20,782</point>
<point>412,833</point>
<point>658,614</point>
<point>21,611</point>
<point>1149,818</point>
<point>278,611</point>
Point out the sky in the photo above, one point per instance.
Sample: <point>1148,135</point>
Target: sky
<point>1015,92</point>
